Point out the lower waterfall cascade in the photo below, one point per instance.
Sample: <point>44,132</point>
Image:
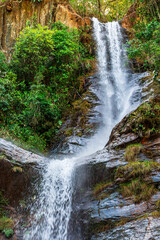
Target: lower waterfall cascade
<point>119,94</point>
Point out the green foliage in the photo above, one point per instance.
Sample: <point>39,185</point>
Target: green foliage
<point>33,52</point>
<point>41,84</point>
<point>6,223</point>
<point>3,63</point>
<point>145,47</point>
<point>8,232</point>
<point>148,10</point>
<point>145,121</point>
<point>100,187</point>
<point>3,202</point>
<point>106,10</point>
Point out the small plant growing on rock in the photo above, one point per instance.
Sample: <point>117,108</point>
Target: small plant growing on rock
<point>158,204</point>
<point>8,232</point>
<point>137,189</point>
<point>131,178</point>
<point>100,187</point>
<point>136,169</point>
<point>132,151</point>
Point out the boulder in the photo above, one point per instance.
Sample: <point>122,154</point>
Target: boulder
<point>18,154</point>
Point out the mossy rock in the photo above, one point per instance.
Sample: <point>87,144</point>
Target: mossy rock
<point>132,151</point>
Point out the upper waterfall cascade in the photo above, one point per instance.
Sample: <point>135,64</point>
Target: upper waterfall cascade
<point>118,96</point>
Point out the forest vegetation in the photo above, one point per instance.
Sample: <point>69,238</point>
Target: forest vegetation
<point>41,82</point>
<point>42,79</point>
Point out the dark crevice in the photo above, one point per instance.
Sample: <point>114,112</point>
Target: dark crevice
<point>3,31</point>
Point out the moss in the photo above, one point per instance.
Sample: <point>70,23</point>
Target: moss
<point>132,151</point>
<point>68,132</point>
<point>102,226</point>
<point>132,178</point>
<point>145,121</point>
<point>155,214</point>
<point>136,169</point>
<point>158,204</point>
<point>3,202</point>
<point>2,157</point>
<point>100,187</point>
<point>138,190</point>
<point>6,223</point>
<point>122,222</point>
<point>102,196</point>
<point>17,169</point>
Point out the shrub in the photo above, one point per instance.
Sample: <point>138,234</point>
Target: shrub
<point>3,63</point>
<point>145,47</point>
<point>42,83</point>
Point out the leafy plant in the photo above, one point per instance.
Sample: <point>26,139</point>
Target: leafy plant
<point>8,232</point>
<point>145,47</point>
<point>41,83</point>
<point>3,63</point>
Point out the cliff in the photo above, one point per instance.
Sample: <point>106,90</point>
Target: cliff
<point>130,18</point>
<point>14,15</point>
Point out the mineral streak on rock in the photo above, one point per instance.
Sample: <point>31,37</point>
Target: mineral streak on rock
<point>15,14</point>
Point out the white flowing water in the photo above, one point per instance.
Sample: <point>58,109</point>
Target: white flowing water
<point>117,91</point>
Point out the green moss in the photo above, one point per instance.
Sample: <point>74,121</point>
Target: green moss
<point>136,169</point>
<point>138,190</point>
<point>133,183</point>
<point>3,202</point>
<point>100,187</point>
<point>158,204</point>
<point>132,151</point>
<point>122,222</point>
<point>145,121</point>
<point>2,157</point>
<point>68,132</point>
<point>155,214</point>
<point>102,226</point>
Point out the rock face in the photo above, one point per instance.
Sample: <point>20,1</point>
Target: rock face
<point>82,121</point>
<point>130,18</point>
<point>118,198</point>
<point>17,180</point>
<point>18,170</point>
<point>15,14</point>
<point>18,154</point>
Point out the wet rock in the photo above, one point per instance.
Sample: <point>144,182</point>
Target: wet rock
<point>141,229</point>
<point>117,212</point>
<point>153,145</point>
<point>82,122</point>
<point>17,180</point>
<point>18,154</point>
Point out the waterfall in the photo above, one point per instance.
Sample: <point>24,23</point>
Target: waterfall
<point>118,95</point>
